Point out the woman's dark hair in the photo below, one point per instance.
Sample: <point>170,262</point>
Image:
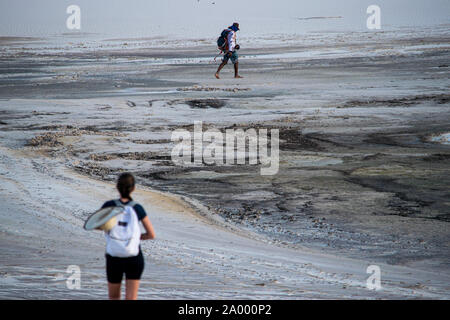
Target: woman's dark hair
<point>125,184</point>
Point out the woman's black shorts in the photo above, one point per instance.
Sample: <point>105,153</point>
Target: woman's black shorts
<point>132,267</point>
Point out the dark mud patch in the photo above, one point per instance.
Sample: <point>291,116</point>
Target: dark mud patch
<point>437,157</point>
<point>141,156</point>
<point>149,141</point>
<point>70,130</point>
<point>105,107</point>
<point>383,139</point>
<point>411,139</point>
<point>418,137</point>
<point>293,139</point>
<point>130,103</point>
<point>444,217</point>
<point>404,208</point>
<point>37,113</point>
<point>206,103</point>
<point>53,127</point>
<point>400,102</point>
<point>58,127</point>
<point>201,103</point>
<point>150,176</point>
<point>324,139</point>
<point>376,156</point>
<point>49,139</point>
<point>211,89</point>
<point>35,127</point>
<point>95,170</point>
<point>408,200</point>
<point>5,115</point>
<point>247,212</point>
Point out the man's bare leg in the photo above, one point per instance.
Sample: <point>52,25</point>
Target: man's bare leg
<point>236,70</point>
<point>220,68</point>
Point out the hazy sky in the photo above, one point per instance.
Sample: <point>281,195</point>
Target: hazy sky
<point>203,18</point>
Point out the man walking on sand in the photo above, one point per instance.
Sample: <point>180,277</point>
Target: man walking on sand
<point>231,51</point>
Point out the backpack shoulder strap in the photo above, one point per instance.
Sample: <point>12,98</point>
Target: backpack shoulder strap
<point>131,204</point>
<point>118,203</point>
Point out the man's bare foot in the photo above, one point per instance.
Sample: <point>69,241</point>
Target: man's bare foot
<point>238,77</point>
<point>217,75</point>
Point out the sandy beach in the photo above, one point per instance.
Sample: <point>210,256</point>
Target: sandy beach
<point>363,178</point>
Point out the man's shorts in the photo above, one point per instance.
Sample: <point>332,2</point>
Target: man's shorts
<point>234,57</point>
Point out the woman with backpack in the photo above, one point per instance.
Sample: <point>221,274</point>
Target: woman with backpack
<point>123,250</point>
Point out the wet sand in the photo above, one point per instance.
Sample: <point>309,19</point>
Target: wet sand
<point>361,179</point>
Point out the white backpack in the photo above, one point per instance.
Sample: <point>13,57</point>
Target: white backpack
<point>123,239</point>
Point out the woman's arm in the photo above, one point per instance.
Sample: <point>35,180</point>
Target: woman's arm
<point>149,228</point>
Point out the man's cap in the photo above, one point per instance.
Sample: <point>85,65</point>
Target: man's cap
<point>235,24</point>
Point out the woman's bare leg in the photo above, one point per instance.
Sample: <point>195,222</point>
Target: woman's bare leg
<point>114,291</point>
<point>131,289</point>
